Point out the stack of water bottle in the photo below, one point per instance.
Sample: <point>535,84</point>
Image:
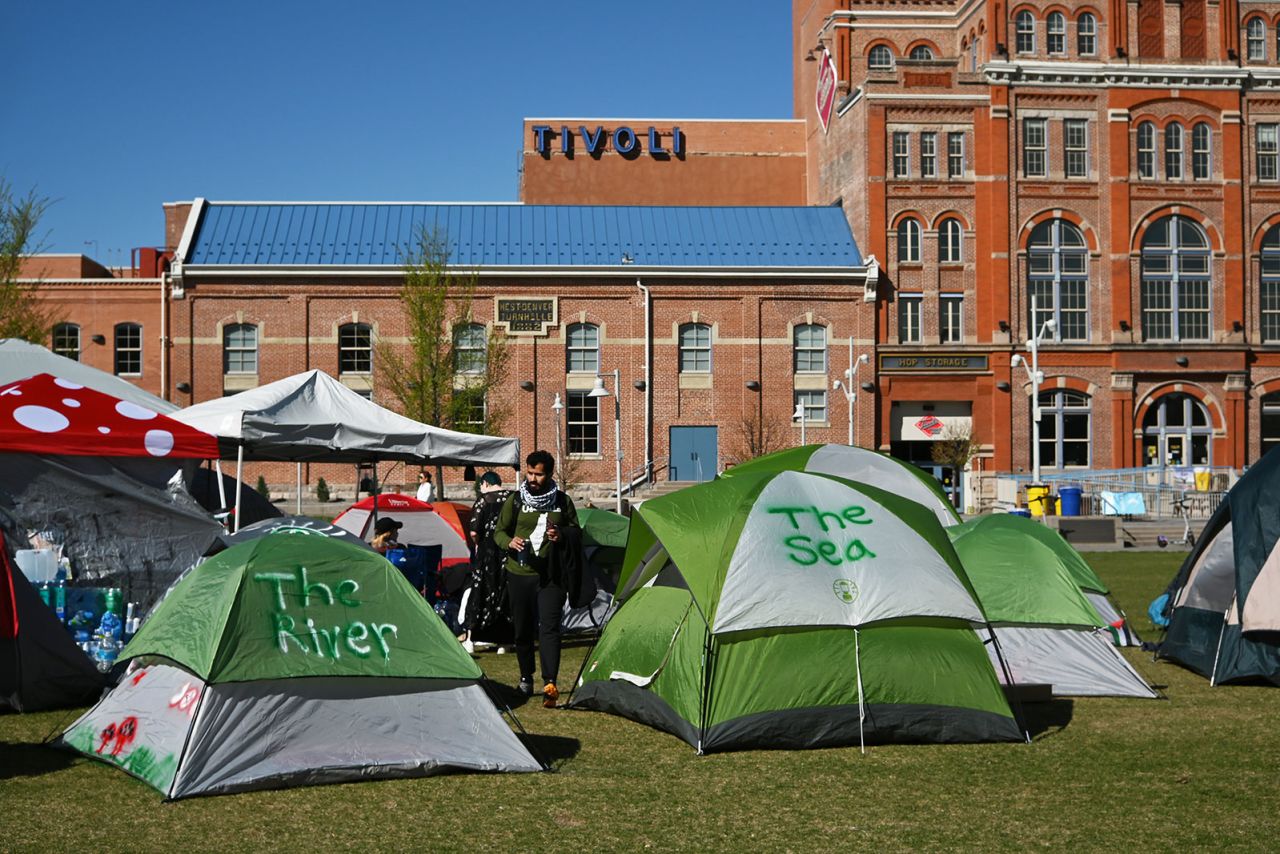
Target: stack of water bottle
<point>104,641</point>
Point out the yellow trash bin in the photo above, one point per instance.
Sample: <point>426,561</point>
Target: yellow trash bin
<point>1037,499</point>
<point>1202,480</point>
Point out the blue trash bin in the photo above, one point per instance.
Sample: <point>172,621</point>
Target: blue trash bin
<point>1020,511</point>
<point>1070,496</point>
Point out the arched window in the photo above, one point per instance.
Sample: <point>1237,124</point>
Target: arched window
<point>1025,32</point>
<point>1175,281</point>
<point>582,348</point>
<point>240,348</point>
<point>1064,429</point>
<point>1174,144</point>
<point>1058,279</point>
<point>880,58</point>
<point>1086,34</point>
<point>1270,286</point>
<point>1056,33</point>
<point>921,51</point>
<point>1256,40</point>
<point>1201,153</point>
<point>1176,432</point>
<point>950,240</point>
<point>66,341</point>
<point>355,348</point>
<point>695,348</point>
<point>470,348</point>
<point>1146,150</point>
<point>909,241</point>
<point>810,348</point>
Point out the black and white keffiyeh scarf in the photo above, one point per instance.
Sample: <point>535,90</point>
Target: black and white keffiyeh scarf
<point>544,503</point>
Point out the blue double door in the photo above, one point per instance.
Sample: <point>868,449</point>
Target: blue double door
<point>694,453</point>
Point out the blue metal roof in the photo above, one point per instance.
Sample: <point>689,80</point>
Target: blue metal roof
<point>488,235</point>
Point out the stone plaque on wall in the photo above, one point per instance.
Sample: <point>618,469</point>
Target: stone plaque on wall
<point>526,315</point>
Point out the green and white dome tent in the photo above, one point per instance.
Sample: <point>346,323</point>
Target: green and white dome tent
<point>789,609</point>
<point>1031,593</point>
<point>293,660</point>
<point>863,466</point>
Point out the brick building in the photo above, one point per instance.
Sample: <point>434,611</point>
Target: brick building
<point>1116,162</point>
<point>719,320</point>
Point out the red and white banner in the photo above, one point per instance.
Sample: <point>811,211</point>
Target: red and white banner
<point>826,90</point>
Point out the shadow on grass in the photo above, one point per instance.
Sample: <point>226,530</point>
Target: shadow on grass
<point>505,696</point>
<point>31,760</point>
<point>1045,719</point>
<point>551,750</point>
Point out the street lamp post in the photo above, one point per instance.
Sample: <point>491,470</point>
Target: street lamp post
<point>799,415</point>
<point>600,391</point>
<point>557,407</point>
<point>1036,377</point>
<point>848,386</point>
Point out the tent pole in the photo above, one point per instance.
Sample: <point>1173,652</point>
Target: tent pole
<point>1015,704</point>
<point>239,483</point>
<point>862,707</point>
<point>298,504</point>
<point>222,487</point>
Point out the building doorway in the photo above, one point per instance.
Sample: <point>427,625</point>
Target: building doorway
<point>694,453</point>
<point>1176,431</point>
<point>916,427</point>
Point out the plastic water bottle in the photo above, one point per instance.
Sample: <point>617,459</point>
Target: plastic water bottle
<point>60,601</point>
<point>44,594</point>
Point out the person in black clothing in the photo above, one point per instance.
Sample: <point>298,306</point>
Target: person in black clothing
<point>486,614</point>
<point>534,525</point>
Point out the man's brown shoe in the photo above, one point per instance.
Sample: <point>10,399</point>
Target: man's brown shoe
<point>550,694</point>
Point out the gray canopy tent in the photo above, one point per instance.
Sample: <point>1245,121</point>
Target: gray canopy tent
<point>311,417</point>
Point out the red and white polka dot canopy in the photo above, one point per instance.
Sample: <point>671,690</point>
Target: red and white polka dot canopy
<point>50,415</point>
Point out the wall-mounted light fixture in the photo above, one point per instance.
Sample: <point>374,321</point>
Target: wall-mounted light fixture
<point>185,388</point>
<point>1121,52</point>
<point>1181,361</point>
<point>1002,49</point>
<point>1004,326</point>
<point>527,385</point>
<point>1237,326</point>
<point>99,339</point>
<point>868,386</point>
<point>811,56</point>
<point>754,385</point>
<point>1003,386</point>
<point>640,385</point>
<point>1125,327</point>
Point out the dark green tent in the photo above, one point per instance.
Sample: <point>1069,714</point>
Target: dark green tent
<point>1224,603</point>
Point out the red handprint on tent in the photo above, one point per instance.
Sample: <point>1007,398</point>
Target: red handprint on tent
<point>119,736</point>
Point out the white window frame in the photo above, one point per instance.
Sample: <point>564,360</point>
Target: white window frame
<point>1175,150</point>
<point>921,53</point>
<point>582,424</point>
<point>1267,136</point>
<point>955,154</point>
<point>1055,409</point>
<point>470,349</point>
<point>582,356</point>
<point>1035,154</point>
<point>352,352</point>
<point>814,402</point>
<point>1256,39</point>
<point>1075,152</point>
<point>951,318</point>
<point>901,154</point>
<point>1174,285</point>
<point>1086,34</point>
<point>60,339</point>
<point>809,348</point>
<point>694,352</point>
<point>239,349</point>
<point>129,349</point>
<point>879,50</point>
<point>909,233</point>
<point>1269,287</point>
<point>1056,34</point>
<point>929,154</point>
<point>1024,32</point>
<point>1146,159</point>
<point>950,241</point>
<point>911,318</point>
<point>1201,154</point>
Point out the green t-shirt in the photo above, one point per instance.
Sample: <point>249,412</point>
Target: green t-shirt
<point>515,520</point>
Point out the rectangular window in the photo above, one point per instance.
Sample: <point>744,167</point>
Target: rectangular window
<point>901,154</point>
<point>474,406</point>
<point>955,154</point>
<point>1073,310</point>
<point>1271,310</point>
<point>815,405</point>
<point>1033,148</point>
<point>1268,152</point>
<point>583,423</point>
<point>240,349</point>
<point>951,318</point>
<point>1201,158</point>
<point>355,349</point>
<point>1087,35</point>
<point>928,155</point>
<point>1193,310</point>
<point>1076,148</point>
<point>810,349</point>
<point>128,353</point>
<point>1173,153</point>
<point>909,310</point>
<point>1146,150</point>
<point>1157,309</point>
<point>695,348</point>
<point>583,347</point>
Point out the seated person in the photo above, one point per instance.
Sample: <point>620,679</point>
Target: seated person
<point>384,535</point>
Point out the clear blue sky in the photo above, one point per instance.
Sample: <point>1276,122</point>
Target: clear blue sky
<point>111,109</point>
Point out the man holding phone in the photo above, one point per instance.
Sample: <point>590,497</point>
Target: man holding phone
<point>536,523</point>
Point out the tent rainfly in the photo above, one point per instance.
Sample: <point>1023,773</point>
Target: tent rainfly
<point>294,659</point>
<point>861,465</point>
<point>790,609</point>
<point>20,359</point>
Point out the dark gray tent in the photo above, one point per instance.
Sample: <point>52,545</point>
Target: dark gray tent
<point>40,666</point>
<point>1224,603</point>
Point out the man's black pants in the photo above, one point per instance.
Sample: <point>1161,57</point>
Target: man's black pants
<point>536,609</point>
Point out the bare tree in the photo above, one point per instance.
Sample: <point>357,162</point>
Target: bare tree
<point>958,445</point>
<point>22,315</point>
<point>754,438</point>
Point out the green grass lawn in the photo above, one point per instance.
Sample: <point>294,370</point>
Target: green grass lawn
<point>1196,771</point>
